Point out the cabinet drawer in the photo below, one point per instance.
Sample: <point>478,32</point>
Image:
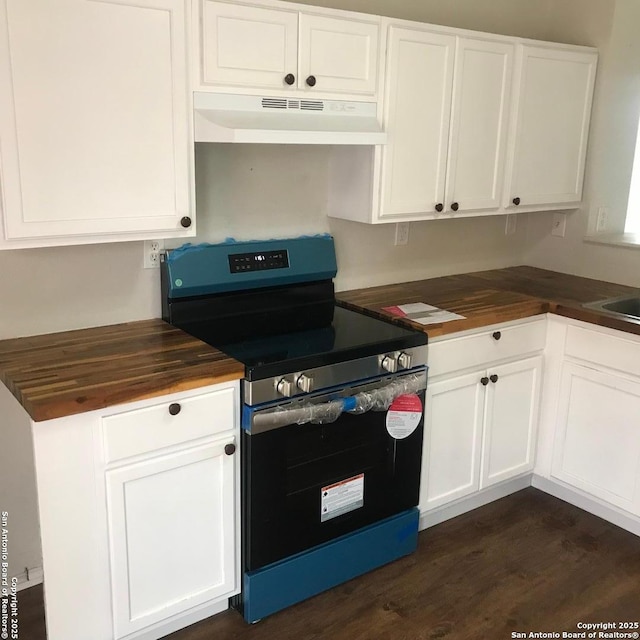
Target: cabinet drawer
<point>615,352</point>
<point>480,349</point>
<point>151,428</point>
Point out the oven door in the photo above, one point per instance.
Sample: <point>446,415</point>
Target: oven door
<point>305,484</point>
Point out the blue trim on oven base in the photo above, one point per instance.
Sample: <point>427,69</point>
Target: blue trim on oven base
<point>306,574</point>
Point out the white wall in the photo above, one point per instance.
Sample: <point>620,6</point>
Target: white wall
<point>609,164</point>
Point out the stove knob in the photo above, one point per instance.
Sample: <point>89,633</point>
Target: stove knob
<point>404,360</point>
<point>304,383</point>
<point>283,387</point>
<point>390,364</point>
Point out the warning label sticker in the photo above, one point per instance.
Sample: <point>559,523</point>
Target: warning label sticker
<point>341,497</point>
<point>404,416</point>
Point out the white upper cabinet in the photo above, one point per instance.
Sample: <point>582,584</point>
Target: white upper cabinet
<point>417,114</point>
<point>479,125</point>
<point>447,109</point>
<point>281,50</point>
<point>248,46</point>
<point>551,127</point>
<point>94,120</point>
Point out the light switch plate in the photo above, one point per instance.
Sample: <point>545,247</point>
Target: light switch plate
<point>402,233</point>
<point>559,224</point>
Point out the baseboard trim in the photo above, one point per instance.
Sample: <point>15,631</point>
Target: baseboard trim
<point>611,514</point>
<point>29,578</point>
<point>446,512</point>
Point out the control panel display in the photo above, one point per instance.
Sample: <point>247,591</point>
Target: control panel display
<point>258,261</point>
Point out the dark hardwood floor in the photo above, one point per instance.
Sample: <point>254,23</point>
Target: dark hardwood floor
<point>528,562</point>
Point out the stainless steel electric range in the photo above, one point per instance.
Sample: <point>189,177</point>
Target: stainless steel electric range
<point>332,413</point>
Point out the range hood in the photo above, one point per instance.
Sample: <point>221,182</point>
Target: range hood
<point>275,120</point>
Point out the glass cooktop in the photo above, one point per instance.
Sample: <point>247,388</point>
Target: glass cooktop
<point>345,335</point>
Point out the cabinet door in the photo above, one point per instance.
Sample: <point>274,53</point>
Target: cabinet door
<point>340,54</point>
<point>479,124</point>
<point>511,419</point>
<point>249,46</point>
<point>171,529</point>
<point>597,442</point>
<point>94,117</point>
<point>551,127</point>
<point>453,431</point>
<point>417,113</point>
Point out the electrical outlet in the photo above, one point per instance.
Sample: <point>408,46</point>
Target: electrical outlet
<point>402,233</point>
<point>152,249</point>
<point>559,224</point>
<point>602,219</point>
<point>510,224</point>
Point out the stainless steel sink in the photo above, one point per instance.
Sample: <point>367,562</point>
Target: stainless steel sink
<point>626,307</point>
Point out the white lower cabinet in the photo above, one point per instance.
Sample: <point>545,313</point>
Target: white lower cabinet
<point>511,417</point>
<point>451,457</point>
<point>597,435</point>
<point>171,531</point>
<point>481,423</point>
<point>139,515</point>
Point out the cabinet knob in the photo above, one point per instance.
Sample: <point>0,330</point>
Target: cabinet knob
<point>289,79</point>
<point>496,335</point>
<point>185,222</point>
<point>229,449</point>
<point>516,201</point>
<point>493,377</point>
<point>454,206</point>
<point>484,381</point>
<point>311,81</point>
<point>439,207</point>
<point>174,408</point>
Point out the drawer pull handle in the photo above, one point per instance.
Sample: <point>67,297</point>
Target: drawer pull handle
<point>494,378</point>
<point>496,335</point>
<point>289,79</point>
<point>484,381</point>
<point>229,449</point>
<point>174,408</point>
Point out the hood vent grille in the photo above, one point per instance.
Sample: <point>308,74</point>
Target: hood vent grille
<point>286,103</point>
<point>227,117</point>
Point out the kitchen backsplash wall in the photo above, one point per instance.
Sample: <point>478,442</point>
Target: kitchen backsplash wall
<point>273,191</point>
<point>258,191</point>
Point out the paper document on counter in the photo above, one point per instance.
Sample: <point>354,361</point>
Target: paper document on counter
<point>423,313</point>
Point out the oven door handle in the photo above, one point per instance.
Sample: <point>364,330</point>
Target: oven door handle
<point>375,399</point>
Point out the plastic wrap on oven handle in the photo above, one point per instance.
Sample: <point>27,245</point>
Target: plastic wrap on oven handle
<point>379,399</point>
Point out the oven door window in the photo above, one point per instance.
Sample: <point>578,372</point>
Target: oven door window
<point>308,484</point>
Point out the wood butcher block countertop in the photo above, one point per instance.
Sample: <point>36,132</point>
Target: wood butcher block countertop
<point>62,374</point>
<point>490,297</point>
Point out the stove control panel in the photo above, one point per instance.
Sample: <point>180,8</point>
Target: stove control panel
<point>258,261</point>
